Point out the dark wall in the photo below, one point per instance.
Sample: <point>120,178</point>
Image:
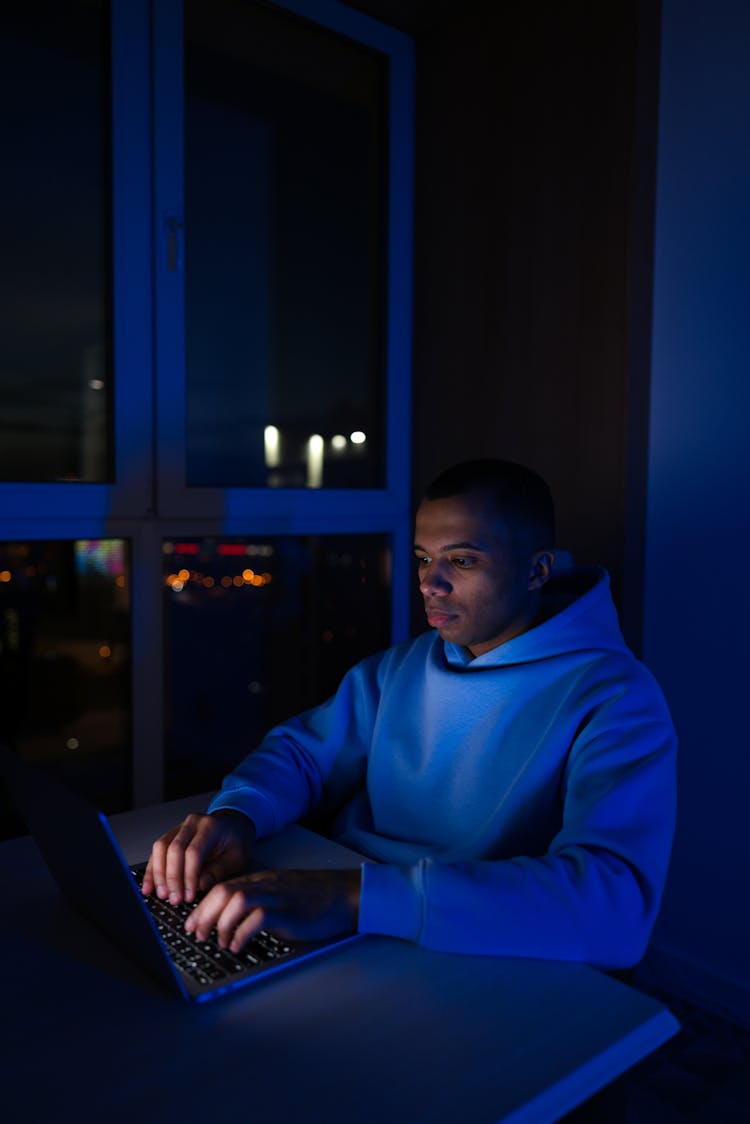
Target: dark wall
<point>526,119</point>
<point>534,174</point>
<point>697,618</point>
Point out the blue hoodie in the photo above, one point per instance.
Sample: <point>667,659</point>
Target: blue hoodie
<point>520,803</point>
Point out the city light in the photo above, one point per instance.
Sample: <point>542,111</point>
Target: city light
<point>272,444</point>
<point>358,437</point>
<point>315,448</point>
<point>232,557</point>
<point>248,577</point>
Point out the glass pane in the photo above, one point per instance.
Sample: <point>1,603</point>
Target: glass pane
<point>65,663</point>
<point>258,630</point>
<point>285,174</point>
<point>55,388</point>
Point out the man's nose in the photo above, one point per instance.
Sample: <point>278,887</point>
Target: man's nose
<point>434,582</point>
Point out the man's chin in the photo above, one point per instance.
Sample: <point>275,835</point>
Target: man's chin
<point>451,633</point>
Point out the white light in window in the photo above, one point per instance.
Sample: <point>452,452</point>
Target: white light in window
<point>338,442</point>
<point>272,442</point>
<point>358,437</point>
<point>96,384</point>
<point>315,447</point>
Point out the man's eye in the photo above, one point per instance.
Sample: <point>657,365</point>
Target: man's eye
<point>422,560</point>
<point>462,562</point>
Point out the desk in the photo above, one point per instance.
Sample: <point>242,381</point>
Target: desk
<point>378,1030</point>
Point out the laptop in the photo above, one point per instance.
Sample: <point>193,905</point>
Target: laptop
<point>85,860</point>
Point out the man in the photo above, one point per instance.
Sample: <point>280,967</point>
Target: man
<point>511,772</point>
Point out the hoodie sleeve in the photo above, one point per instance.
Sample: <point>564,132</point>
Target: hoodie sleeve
<point>314,760</point>
<point>593,896</point>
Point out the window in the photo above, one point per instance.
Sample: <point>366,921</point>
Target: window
<point>65,660</point>
<point>55,404</point>
<point>257,630</point>
<point>210,349</point>
<point>285,163</point>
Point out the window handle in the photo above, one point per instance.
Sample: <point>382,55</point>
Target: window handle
<point>174,228</point>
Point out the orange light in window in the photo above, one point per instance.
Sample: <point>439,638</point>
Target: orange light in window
<point>105,651</point>
<point>5,575</point>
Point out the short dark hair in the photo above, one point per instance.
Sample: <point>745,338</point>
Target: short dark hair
<point>518,493</point>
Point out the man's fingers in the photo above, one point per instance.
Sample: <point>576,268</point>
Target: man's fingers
<point>200,851</point>
<point>204,917</point>
<point>147,883</point>
<point>255,920</point>
<point>173,866</point>
<point>237,912</point>
<point>192,840</point>
<point>155,876</point>
<point>226,907</point>
<point>198,846</point>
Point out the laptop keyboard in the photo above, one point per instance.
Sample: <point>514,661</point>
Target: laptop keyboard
<point>205,961</point>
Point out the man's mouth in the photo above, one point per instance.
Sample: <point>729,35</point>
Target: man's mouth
<point>437,618</point>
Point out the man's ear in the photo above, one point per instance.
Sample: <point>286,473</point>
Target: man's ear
<point>541,568</point>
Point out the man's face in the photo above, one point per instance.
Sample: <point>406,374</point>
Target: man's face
<point>479,585</point>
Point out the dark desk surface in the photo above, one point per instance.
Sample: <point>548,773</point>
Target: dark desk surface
<point>378,1030</point>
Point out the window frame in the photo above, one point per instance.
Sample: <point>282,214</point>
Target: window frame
<point>148,501</point>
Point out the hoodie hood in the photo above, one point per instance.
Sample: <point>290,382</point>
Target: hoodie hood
<point>578,614</point>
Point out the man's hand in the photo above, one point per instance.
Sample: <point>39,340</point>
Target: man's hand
<point>199,852</point>
<point>296,904</point>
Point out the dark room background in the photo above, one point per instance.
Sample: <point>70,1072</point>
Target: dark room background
<point>581,238</point>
